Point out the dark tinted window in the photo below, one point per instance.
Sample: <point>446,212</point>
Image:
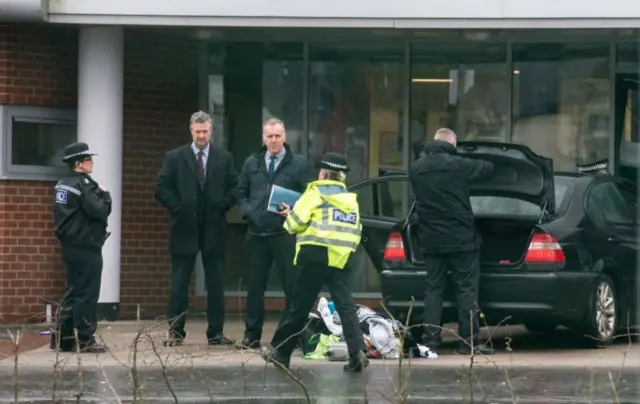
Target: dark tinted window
<point>630,197</point>
<point>499,205</point>
<point>387,197</point>
<point>606,206</point>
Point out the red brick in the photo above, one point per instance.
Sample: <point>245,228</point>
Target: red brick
<point>38,66</point>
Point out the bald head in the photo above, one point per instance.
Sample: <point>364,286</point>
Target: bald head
<point>447,135</point>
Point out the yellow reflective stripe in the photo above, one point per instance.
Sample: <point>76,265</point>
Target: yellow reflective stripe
<point>335,228</point>
<point>327,241</point>
<point>294,217</point>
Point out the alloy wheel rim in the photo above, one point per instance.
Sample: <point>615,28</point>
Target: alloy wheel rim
<point>605,310</point>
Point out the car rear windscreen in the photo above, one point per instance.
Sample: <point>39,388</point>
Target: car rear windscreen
<point>500,205</point>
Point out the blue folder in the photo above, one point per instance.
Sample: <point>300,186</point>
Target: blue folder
<point>282,195</point>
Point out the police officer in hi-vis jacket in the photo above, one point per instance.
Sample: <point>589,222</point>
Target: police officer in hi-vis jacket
<point>80,210</point>
<point>326,222</point>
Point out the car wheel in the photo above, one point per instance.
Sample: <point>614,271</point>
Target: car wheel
<point>602,314</point>
<point>541,327</point>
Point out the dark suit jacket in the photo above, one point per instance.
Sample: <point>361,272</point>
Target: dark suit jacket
<point>177,188</point>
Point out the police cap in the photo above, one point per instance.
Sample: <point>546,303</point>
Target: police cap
<point>334,161</point>
<point>77,151</point>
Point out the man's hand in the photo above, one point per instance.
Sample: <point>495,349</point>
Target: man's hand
<point>284,209</point>
<point>102,188</point>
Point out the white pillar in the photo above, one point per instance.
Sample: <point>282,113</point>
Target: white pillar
<point>100,104</point>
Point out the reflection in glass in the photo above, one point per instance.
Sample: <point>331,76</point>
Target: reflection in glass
<point>282,89</point>
<point>463,87</point>
<point>40,144</point>
<point>355,108</point>
<point>561,99</point>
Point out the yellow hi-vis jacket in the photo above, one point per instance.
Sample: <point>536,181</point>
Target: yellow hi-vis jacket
<point>326,215</point>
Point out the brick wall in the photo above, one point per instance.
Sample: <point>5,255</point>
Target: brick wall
<point>36,68</point>
<point>160,94</point>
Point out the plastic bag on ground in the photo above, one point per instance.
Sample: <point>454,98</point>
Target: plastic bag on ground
<point>383,337</point>
<point>323,347</point>
<point>327,317</point>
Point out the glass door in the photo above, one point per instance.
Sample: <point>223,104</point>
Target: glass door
<point>356,100</point>
<point>627,132</point>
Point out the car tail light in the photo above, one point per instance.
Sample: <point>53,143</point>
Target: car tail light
<point>394,250</point>
<point>544,248</point>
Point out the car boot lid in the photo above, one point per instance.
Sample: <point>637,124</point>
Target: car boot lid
<point>519,173</point>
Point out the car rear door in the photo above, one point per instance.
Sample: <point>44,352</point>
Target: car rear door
<point>628,250</point>
<point>384,204</point>
<point>614,239</point>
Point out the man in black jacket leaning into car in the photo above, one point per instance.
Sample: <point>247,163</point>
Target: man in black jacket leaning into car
<point>267,241</point>
<point>447,235</point>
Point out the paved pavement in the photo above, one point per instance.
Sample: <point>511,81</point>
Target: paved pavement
<point>537,369</point>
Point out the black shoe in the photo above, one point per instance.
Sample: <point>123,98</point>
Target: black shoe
<point>173,341</point>
<point>93,347</point>
<point>176,338</point>
<point>478,349</point>
<point>357,363</point>
<point>248,343</point>
<point>221,340</point>
<point>271,355</point>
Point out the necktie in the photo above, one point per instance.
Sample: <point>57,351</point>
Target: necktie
<point>272,168</point>
<point>200,166</point>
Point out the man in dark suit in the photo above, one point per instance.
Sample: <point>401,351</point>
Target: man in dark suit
<point>197,185</point>
<point>267,241</point>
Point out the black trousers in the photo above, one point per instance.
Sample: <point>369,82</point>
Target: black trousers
<point>264,251</point>
<point>78,308</point>
<point>465,269</point>
<point>312,278</point>
<point>181,270</point>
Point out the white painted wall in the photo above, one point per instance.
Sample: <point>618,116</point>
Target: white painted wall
<point>352,12</point>
<point>356,8</point>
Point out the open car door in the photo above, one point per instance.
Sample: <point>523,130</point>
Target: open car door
<point>384,206</point>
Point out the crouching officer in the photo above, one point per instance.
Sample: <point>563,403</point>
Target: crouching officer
<point>80,211</point>
<point>326,221</point>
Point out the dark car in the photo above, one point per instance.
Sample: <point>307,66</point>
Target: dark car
<point>558,248</point>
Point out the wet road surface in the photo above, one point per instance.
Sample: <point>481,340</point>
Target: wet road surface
<point>327,383</point>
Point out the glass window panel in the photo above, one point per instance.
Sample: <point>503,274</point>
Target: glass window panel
<point>461,86</point>
<point>282,90</point>
<point>561,99</point>
<point>627,54</point>
<point>355,108</point>
<point>355,105</point>
<point>40,143</point>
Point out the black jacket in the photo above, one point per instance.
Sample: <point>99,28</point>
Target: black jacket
<point>439,181</point>
<point>80,212</point>
<point>197,216</point>
<point>254,189</point>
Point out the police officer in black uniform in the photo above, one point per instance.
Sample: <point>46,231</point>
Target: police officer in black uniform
<point>80,210</point>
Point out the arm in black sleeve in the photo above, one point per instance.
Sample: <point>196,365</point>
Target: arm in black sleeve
<point>230,184</point>
<point>166,185</point>
<point>476,170</point>
<point>97,204</point>
<point>244,191</point>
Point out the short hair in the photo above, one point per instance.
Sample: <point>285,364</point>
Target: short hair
<point>200,117</point>
<point>444,134</point>
<point>273,122</point>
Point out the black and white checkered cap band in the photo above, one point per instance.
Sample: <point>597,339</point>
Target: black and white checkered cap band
<point>334,165</point>
<point>84,153</point>
<point>592,167</point>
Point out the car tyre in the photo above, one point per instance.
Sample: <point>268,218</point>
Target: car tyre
<point>601,323</point>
